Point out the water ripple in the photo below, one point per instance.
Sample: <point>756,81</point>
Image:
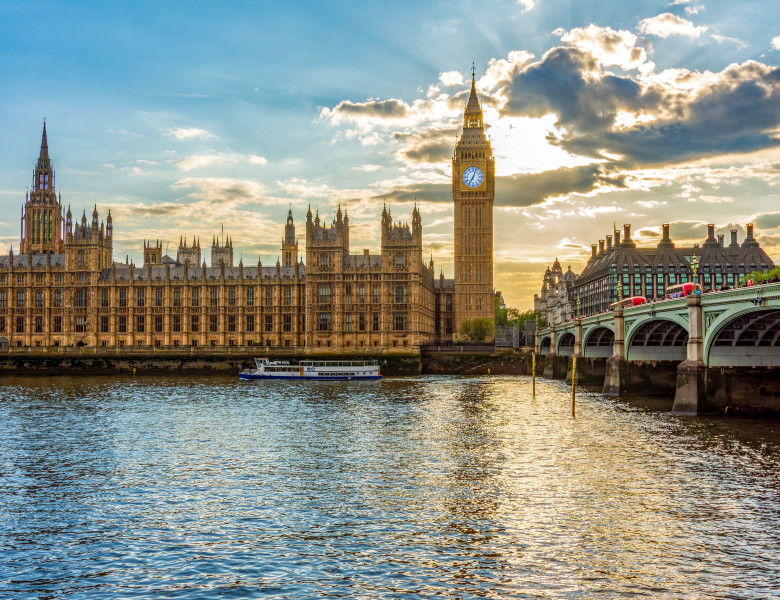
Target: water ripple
<point>202,487</point>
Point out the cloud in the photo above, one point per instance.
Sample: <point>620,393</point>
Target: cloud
<point>776,42</point>
<point>533,188</point>
<point>221,190</point>
<point>568,82</point>
<point>431,147</point>
<point>667,24</point>
<point>391,109</point>
<point>767,221</point>
<point>190,133</point>
<point>739,111</point>
<point>527,5</point>
<point>451,78</point>
<point>646,118</point>
<point>722,39</point>
<point>367,168</point>
<point>608,46</point>
<point>199,161</point>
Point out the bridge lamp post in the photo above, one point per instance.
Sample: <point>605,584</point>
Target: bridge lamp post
<point>619,291</point>
<point>579,316</point>
<point>695,267</point>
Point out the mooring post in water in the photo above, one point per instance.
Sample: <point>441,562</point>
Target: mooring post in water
<point>573,382</point>
<point>533,373</point>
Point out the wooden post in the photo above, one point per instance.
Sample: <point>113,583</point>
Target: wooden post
<point>573,382</point>
<point>533,373</point>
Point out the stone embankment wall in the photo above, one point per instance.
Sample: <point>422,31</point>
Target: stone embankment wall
<point>104,362</point>
<point>465,362</point>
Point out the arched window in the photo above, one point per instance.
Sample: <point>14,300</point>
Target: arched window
<point>323,261</point>
<point>81,262</point>
<point>399,260</point>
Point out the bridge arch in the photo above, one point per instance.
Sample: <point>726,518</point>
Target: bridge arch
<point>658,338</point>
<point>566,344</point>
<point>598,341</point>
<point>746,337</point>
<point>545,343</point>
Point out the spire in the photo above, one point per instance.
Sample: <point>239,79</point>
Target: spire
<point>472,116</point>
<point>44,157</point>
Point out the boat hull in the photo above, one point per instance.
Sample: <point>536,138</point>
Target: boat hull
<point>313,377</point>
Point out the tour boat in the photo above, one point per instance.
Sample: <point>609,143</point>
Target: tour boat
<point>312,369</point>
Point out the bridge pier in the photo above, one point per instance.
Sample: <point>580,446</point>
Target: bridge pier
<point>616,373</point>
<point>549,360</point>
<point>691,390</point>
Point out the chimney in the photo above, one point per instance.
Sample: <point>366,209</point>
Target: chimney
<point>734,243</point>
<point>609,242</point>
<point>617,238</point>
<point>627,241</point>
<point>720,240</point>
<point>601,246</point>
<point>666,241</point>
<point>710,232</point>
<point>749,239</point>
<point>593,250</point>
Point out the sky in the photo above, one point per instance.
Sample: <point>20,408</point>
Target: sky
<point>187,118</point>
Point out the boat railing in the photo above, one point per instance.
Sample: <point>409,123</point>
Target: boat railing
<point>339,363</point>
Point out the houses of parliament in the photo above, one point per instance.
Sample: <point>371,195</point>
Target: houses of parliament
<point>63,287</point>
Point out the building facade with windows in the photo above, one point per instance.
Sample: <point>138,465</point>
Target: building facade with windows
<point>64,289</point>
<point>621,269</point>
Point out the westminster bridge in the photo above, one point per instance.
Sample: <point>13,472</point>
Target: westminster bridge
<point>713,351</point>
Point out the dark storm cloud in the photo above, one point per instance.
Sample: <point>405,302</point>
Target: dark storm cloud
<point>738,112</point>
<point>563,83</point>
<point>534,188</point>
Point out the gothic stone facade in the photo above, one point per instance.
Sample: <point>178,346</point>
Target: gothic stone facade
<point>64,289</point>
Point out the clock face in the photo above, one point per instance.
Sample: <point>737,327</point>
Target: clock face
<point>473,177</point>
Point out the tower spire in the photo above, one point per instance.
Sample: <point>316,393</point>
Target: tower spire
<point>43,158</point>
<point>472,116</point>
<point>44,142</point>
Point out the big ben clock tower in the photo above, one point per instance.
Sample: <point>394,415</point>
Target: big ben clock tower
<point>473,191</point>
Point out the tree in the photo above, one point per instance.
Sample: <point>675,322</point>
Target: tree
<point>762,276</point>
<point>477,330</point>
<point>516,317</point>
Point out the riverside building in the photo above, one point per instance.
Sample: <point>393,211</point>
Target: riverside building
<point>621,267</point>
<point>63,288</point>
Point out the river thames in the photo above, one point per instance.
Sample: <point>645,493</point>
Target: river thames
<point>429,487</point>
